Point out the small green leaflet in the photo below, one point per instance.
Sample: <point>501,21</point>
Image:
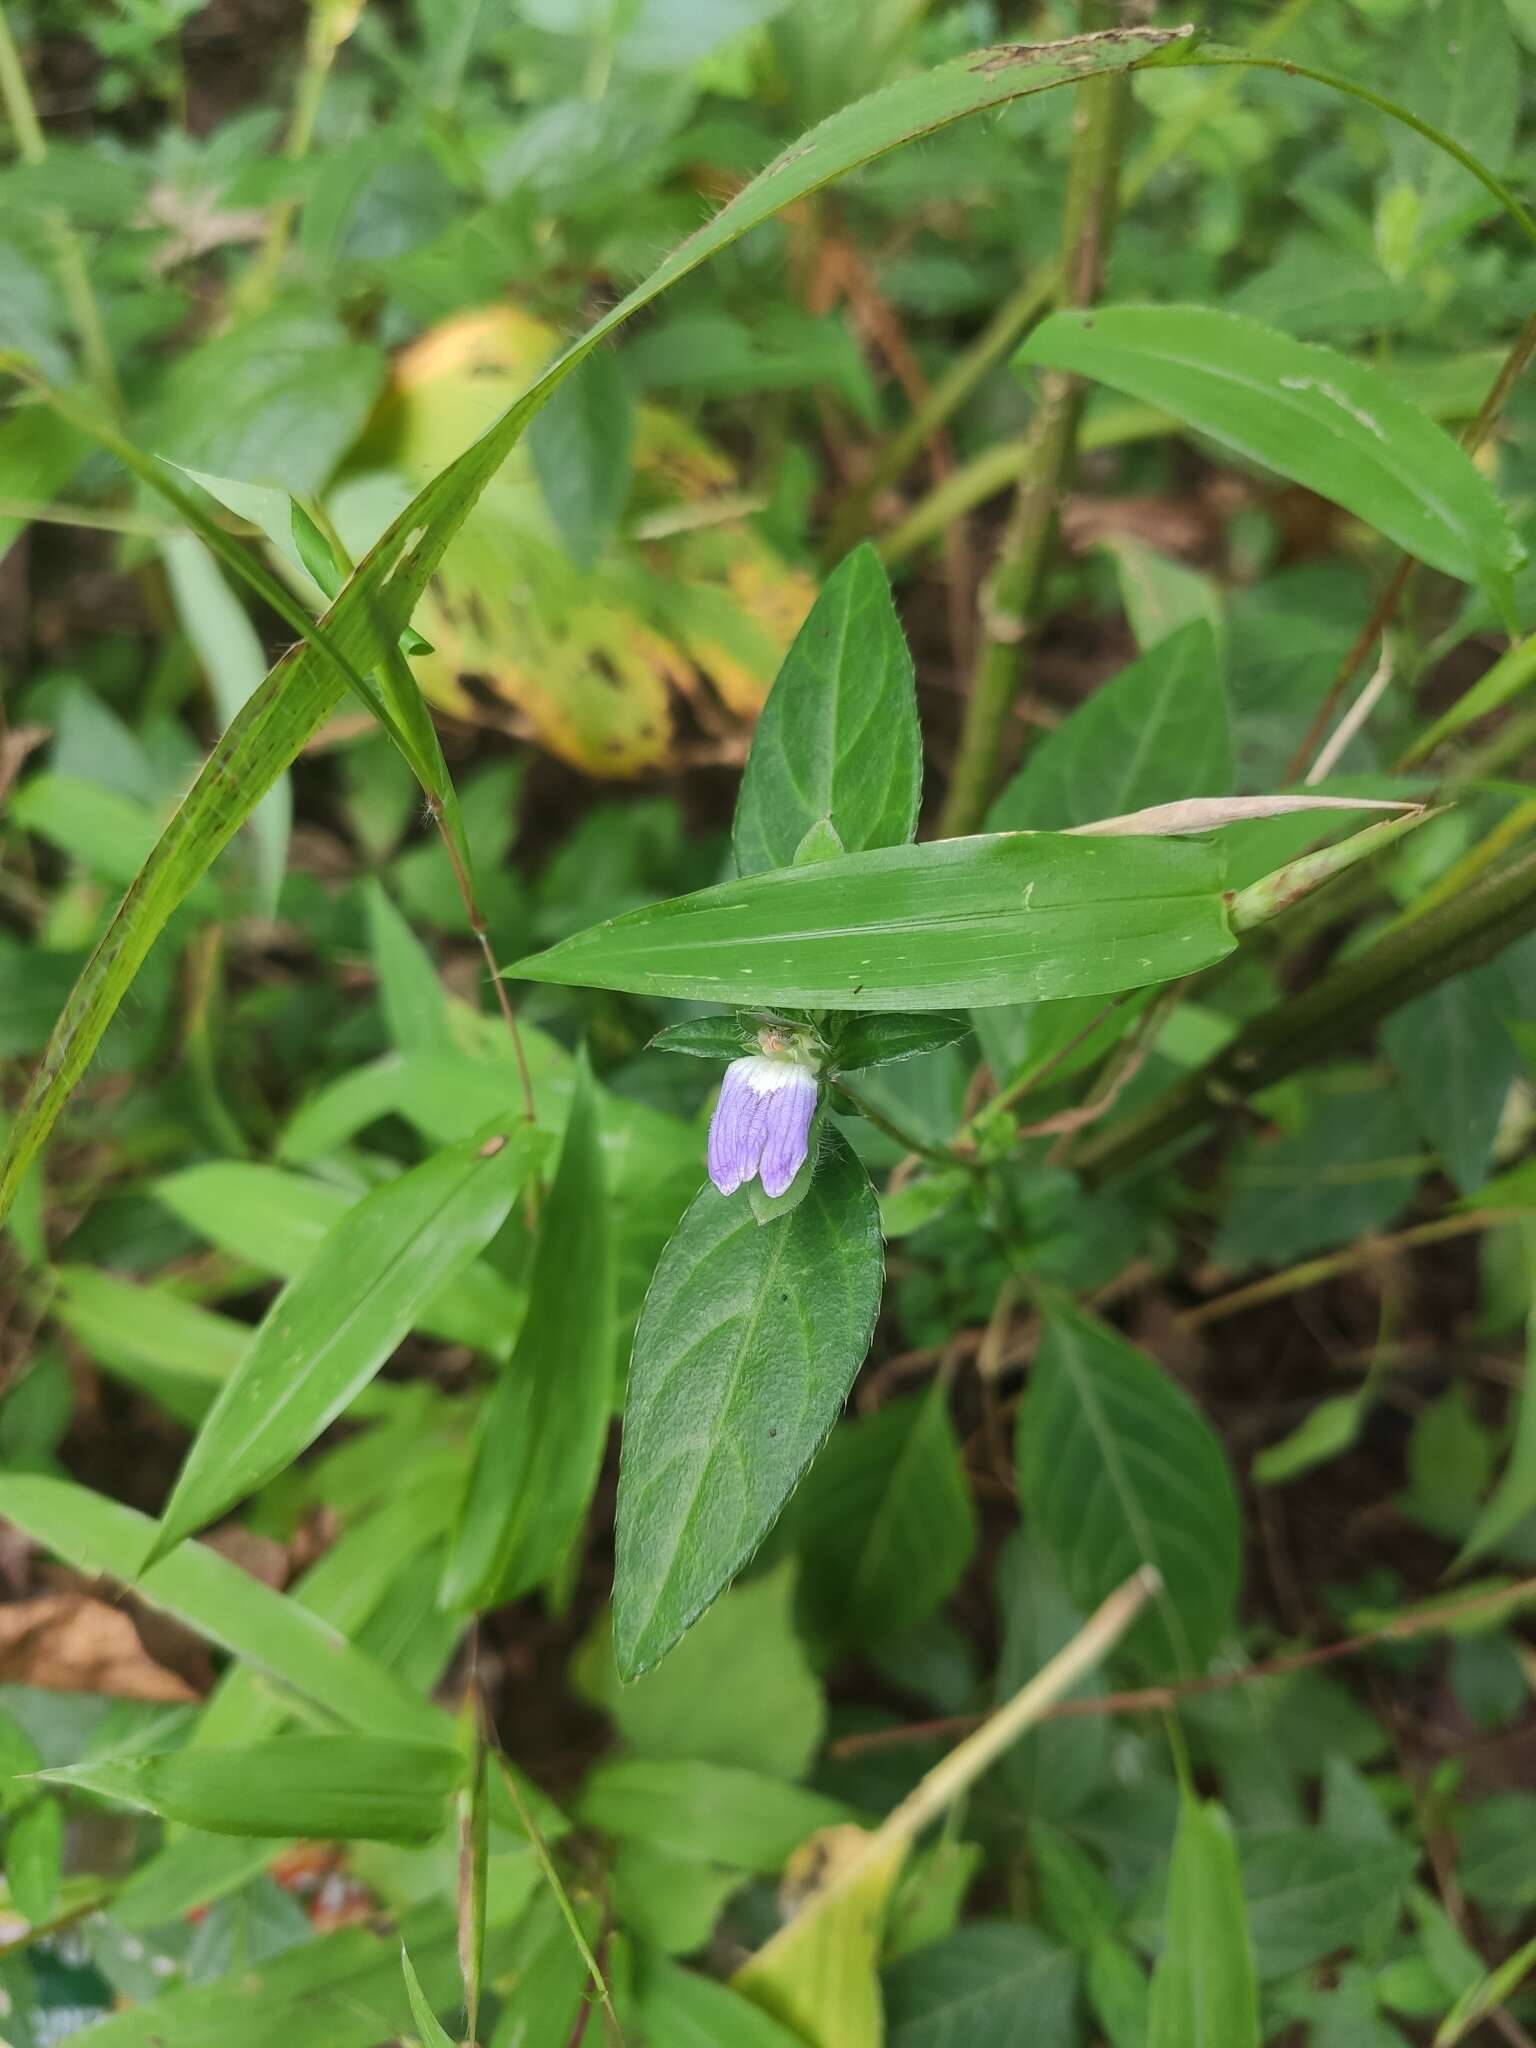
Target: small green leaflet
<point>882,1040</point>
<point>748,1343</point>
<point>1005,918</point>
<point>318,1787</point>
<point>413,1000</point>
<point>705,1812</point>
<point>1304,1884</point>
<point>837,745</point>
<point>546,1419</point>
<point>34,1859</point>
<point>1458,1064</point>
<point>1309,413</point>
<point>707,1038</point>
<point>332,1328</point>
<point>738,1689</point>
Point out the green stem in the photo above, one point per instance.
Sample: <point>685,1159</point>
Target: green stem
<point>1026,1082</point>
<point>1514,670</point>
<point>1507,749</point>
<point>1250,60</point>
<point>970,484</point>
<point>1407,961</point>
<point>940,1155</point>
<point>327,32</point>
<point>31,512</point>
<point>68,255</point>
<point>1514,826</point>
<point>1026,302</point>
<point>407,689</point>
<point>1013,318</point>
<point>562,1897</point>
<point>1011,595</point>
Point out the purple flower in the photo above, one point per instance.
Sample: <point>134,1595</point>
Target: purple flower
<point>762,1123</point>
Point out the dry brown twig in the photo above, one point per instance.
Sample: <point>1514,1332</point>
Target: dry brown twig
<point>1161,1699</point>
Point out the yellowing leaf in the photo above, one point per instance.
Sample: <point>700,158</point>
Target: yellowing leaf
<point>819,1974</point>
<point>589,660</point>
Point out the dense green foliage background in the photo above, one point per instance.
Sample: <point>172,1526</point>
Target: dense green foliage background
<point>1166,1236</point>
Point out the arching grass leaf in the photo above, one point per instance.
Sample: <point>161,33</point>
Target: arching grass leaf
<point>1006,918</point>
<point>224,1604</point>
<point>329,1332</point>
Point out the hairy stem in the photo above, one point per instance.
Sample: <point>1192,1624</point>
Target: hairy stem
<point>1011,595</point>
<point>921,1148</point>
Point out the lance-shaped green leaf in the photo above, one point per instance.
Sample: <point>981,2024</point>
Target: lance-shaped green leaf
<point>838,743</point>
<point>1117,1469</point>
<point>278,1221</point>
<point>331,1329</point>
<point>319,1787</point>
<point>363,625</point>
<point>1005,918</point>
<point>1309,413</point>
<point>224,640</point>
<point>546,1419</point>
<point>429,2028</point>
<point>747,1346</point>
<point>1203,1989</point>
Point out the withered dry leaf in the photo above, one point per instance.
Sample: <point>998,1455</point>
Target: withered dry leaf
<point>71,1642</point>
<point>701,610</point>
